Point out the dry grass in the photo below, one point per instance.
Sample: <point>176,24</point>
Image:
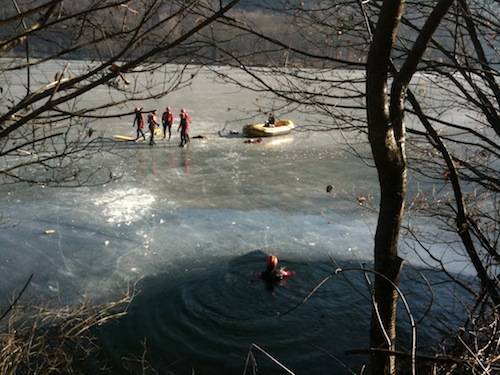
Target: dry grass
<point>41,340</point>
<point>476,348</point>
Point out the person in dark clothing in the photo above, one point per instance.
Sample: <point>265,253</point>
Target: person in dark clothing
<point>270,120</point>
<point>139,122</point>
<point>167,120</point>
<point>152,124</point>
<point>185,120</point>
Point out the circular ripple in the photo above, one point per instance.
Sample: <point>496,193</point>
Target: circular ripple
<point>211,316</point>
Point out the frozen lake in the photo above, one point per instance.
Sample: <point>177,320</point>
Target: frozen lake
<point>195,224</point>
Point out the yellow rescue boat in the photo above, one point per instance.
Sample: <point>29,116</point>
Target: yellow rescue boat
<point>281,127</point>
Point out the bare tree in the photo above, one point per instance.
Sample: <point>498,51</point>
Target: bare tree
<point>386,132</point>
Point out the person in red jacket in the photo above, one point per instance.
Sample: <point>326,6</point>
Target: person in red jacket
<point>273,273</point>
<point>139,122</point>
<point>185,120</point>
<point>167,119</point>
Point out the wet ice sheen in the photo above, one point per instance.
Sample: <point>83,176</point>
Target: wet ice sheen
<point>124,205</point>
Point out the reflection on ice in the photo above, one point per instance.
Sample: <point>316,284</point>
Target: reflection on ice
<point>125,205</point>
<point>277,142</point>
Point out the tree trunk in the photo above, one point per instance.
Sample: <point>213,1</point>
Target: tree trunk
<point>386,133</point>
<point>391,168</point>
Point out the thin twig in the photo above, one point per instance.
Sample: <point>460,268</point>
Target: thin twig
<point>17,298</point>
<point>270,357</point>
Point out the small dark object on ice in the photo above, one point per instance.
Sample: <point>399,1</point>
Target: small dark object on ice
<point>362,199</point>
<point>329,188</point>
<point>199,137</point>
<point>257,140</point>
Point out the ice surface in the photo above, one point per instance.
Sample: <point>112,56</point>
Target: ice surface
<point>217,197</point>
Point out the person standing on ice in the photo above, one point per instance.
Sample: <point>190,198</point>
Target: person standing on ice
<point>184,123</point>
<point>139,122</point>
<point>152,124</point>
<point>167,119</point>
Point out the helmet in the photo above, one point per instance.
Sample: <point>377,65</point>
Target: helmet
<point>168,109</point>
<point>272,261</point>
<point>183,110</point>
<point>137,109</point>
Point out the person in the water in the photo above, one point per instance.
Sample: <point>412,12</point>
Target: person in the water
<point>273,273</point>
